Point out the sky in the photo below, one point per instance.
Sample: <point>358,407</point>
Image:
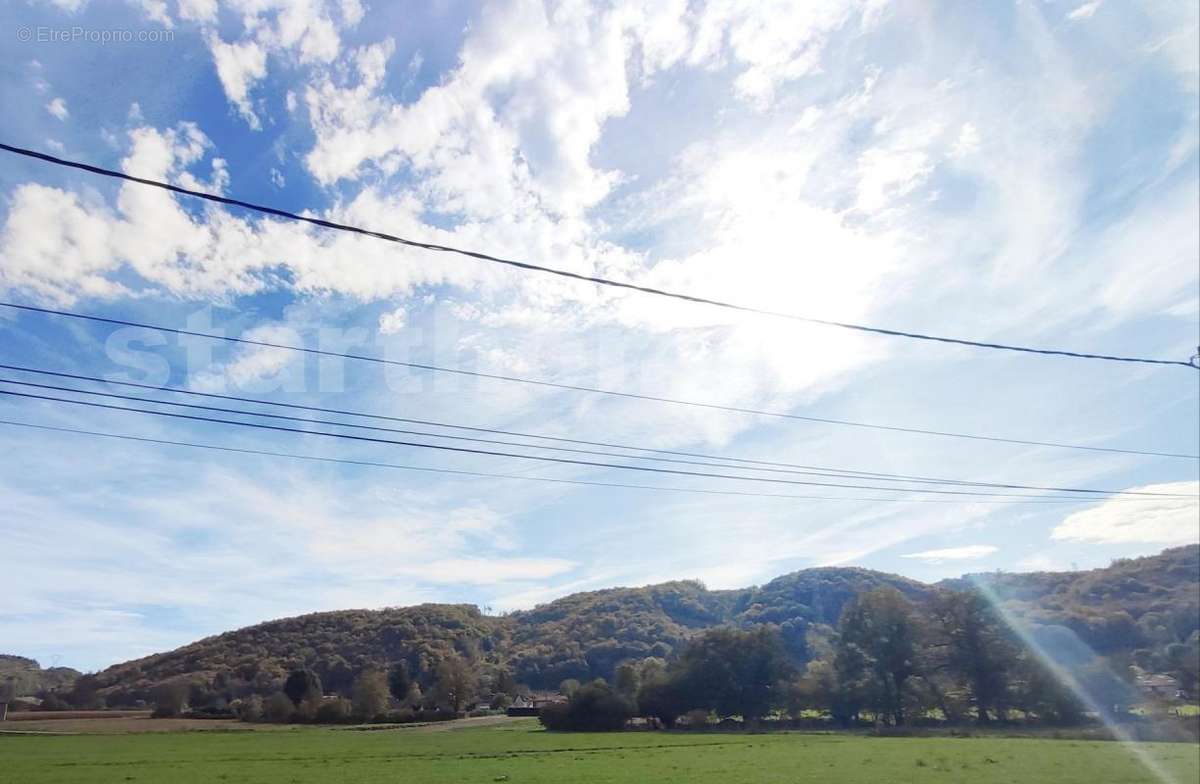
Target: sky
<point>1017,172</point>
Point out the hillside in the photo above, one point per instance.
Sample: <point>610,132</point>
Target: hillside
<point>1130,604</point>
<point>22,677</point>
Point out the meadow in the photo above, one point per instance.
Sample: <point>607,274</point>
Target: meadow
<point>520,751</point>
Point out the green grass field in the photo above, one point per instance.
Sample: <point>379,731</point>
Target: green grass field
<point>522,752</point>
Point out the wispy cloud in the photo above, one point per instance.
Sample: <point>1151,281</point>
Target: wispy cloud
<point>971,552</point>
<point>1170,521</point>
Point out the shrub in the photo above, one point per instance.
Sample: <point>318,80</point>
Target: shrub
<point>170,699</point>
<point>278,708</point>
<point>307,710</point>
<point>336,711</point>
<point>555,716</point>
<point>249,709</point>
<point>595,707</point>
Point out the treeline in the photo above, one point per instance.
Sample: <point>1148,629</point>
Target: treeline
<point>951,659</point>
<point>454,685</point>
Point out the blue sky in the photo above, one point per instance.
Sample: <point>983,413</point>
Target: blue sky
<point>1024,172</point>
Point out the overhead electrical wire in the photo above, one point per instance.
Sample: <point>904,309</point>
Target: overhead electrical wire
<point>433,423</point>
<point>849,472</point>
<point>523,265</point>
<point>495,453</point>
<point>594,390</point>
<point>708,464</point>
<point>526,478</point>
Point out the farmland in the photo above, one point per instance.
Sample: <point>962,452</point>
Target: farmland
<point>519,751</point>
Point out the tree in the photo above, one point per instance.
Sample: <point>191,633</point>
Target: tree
<point>279,708</point>
<point>85,692</point>
<point>1108,686</point>
<point>661,699</point>
<point>170,699</point>
<point>249,709</point>
<point>503,682</point>
<point>1183,661</point>
<point>626,679</point>
<point>819,689</point>
<point>455,681</point>
<point>594,707</point>
<point>370,694</point>
<point>734,671</point>
<point>568,687</point>
<point>974,645</point>
<point>1040,692</point>
<point>877,651</point>
<point>302,684</point>
<point>399,681</point>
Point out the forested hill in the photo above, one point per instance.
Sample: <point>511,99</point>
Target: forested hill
<point>585,635</point>
<point>1132,602</point>
<point>20,677</point>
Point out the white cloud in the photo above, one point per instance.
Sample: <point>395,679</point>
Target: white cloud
<point>156,11</point>
<point>300,32</point>
<point>71,6</point>
<point>972,552</point>
<point>392,322</point>
<point>967,143</point>
<point>1169,521</point>
<point>1084,11</point>
<point>198,10</point>
<point>773,42</point>
<point>239,66</point>
<point>58,108</point>
<point>258,368</point>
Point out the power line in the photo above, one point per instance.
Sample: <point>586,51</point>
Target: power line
<point>482,474</point>
<point>593,390</point>
<point>493,453</point>
<point>565,273</point>
<point>426,434</point>
<point>848,472</point>
<point>432,423</point>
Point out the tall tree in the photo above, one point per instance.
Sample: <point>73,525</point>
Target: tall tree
<point>370,694</point>
<point>877,650</point>
<point>455,681</point>
<point>503,682</point>
<point>736,671</point>
<point>399,681</point>
<point>626,679</point>
<point>302,684</point>
<point>973,643</point>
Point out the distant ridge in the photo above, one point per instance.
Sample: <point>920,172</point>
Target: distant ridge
<point>585,635</point>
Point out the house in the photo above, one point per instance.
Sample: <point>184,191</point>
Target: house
<point>1157,685</point>
<point>528,705</point>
